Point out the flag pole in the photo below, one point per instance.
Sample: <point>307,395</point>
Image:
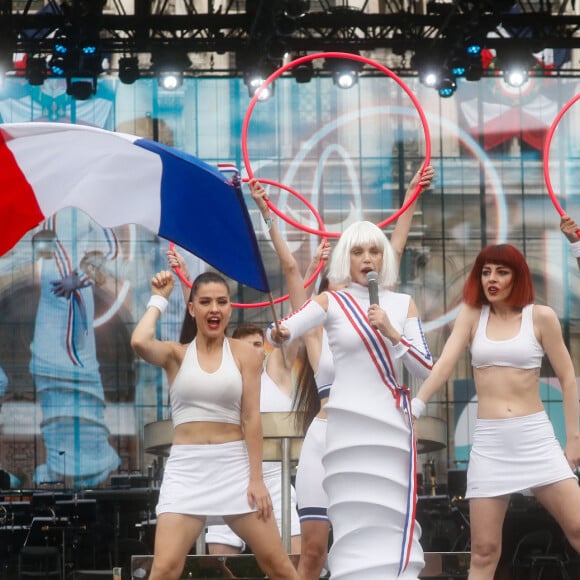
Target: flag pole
<point>277,325</point>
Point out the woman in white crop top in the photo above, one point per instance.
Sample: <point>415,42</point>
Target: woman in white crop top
<point>214,472</point>
<point>514,447</point>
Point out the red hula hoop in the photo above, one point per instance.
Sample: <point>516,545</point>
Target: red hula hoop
<point>547,144</point>
<point>307,283</point>
<point>341,55</point>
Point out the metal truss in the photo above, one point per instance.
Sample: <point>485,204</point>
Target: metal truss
<point>274,27</point>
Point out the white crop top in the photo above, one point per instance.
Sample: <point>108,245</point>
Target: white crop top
<point>272,399</point>
<point>197,395</point>
<point>523,351</point>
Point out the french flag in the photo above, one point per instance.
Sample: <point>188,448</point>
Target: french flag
<point>119,179</point>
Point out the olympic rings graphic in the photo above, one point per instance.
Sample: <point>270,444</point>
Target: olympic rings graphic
<point>338,55</point>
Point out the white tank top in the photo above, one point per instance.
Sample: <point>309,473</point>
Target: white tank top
<point>197,395</point>
<point>272,399</point>
<point>522,351</point>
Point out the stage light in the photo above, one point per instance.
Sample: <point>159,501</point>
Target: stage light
<point>345,79</point>
<point>429,67</point>
<point>81,89</point>
<point>169,80</point>
<point>515,62</point>
<point>344,71</point>
<point>516,76</point>
<point>36,70</point>
<point>128,69</point>
<point>254,81</point>
<point>57,66</point>
<point>458,67</point>
<point>61,57</point>
<point>296,8</point>
<point>473,48</point>
<point>169,66</point>
<point>303,72</point>
<point>430,76</point>
<point>447,86</point>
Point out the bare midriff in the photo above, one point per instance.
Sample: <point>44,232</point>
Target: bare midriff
<point>206,433</point>
<point>505,392</point>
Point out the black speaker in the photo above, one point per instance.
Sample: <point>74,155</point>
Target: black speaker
<point>4,479</point>
<point>456,483</point>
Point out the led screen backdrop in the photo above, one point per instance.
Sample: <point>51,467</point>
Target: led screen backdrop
<point>74,396</point>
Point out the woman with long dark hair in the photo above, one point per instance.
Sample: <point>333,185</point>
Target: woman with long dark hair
<point>214,471</point>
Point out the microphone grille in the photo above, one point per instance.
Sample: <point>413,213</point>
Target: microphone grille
<point>372,276</point>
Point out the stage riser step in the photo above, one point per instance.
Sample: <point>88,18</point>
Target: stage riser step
<point>244,567</point>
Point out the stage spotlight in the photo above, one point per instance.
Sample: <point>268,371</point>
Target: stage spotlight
<point>429,68</point>
<point>447,86</point>
<point>254,81</point>
<point>344,71</point>
<point>304,72</point>
<point>515,76</point>
<point>515,63</point>
<point>36,70</point>
<point>57,66</point>
<point>60,58</point>
<point>169,80</point>
<point>81,89</point>
<point>458,67</point>
<point>345,79</point>
<point>169,66</point>
<point>296,8</point>
<point>128,69</point>
<point>473,47</point>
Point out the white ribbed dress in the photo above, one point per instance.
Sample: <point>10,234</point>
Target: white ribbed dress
<point>368,460</point>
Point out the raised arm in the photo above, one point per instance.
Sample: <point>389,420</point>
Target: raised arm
<point>177,261</point>
<point>404,221</point>
<point>143,340</point>
<point>571,230</point>
<point>294,281</point>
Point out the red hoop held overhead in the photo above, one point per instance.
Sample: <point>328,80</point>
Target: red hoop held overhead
<point>338,55</point>
<point>306,283</point>
<point>547,145</point>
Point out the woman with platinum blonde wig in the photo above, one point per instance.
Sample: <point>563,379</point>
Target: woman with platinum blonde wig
<point>370,454</point>
<point>359,234</point>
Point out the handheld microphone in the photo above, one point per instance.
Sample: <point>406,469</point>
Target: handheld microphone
<point>373,282</point>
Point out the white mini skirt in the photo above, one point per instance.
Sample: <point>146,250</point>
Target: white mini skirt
<point>206,480</point>
<point>513,455</point>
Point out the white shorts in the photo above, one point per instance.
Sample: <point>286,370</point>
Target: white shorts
<point>311,497</point>
<point>206,480</point>
<point>512,455</point>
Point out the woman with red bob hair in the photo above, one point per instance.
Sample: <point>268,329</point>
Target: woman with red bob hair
<point>514,447</point>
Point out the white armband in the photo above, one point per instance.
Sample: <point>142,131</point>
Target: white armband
<point>417,407</point>
<point>575,247</point>
<point>158,302</point>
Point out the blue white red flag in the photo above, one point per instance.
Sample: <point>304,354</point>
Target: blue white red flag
<point>119,179</point>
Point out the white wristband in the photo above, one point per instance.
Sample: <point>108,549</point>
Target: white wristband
<point>575,247</point>
<point>158,302</point>
<point>417,407</point>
